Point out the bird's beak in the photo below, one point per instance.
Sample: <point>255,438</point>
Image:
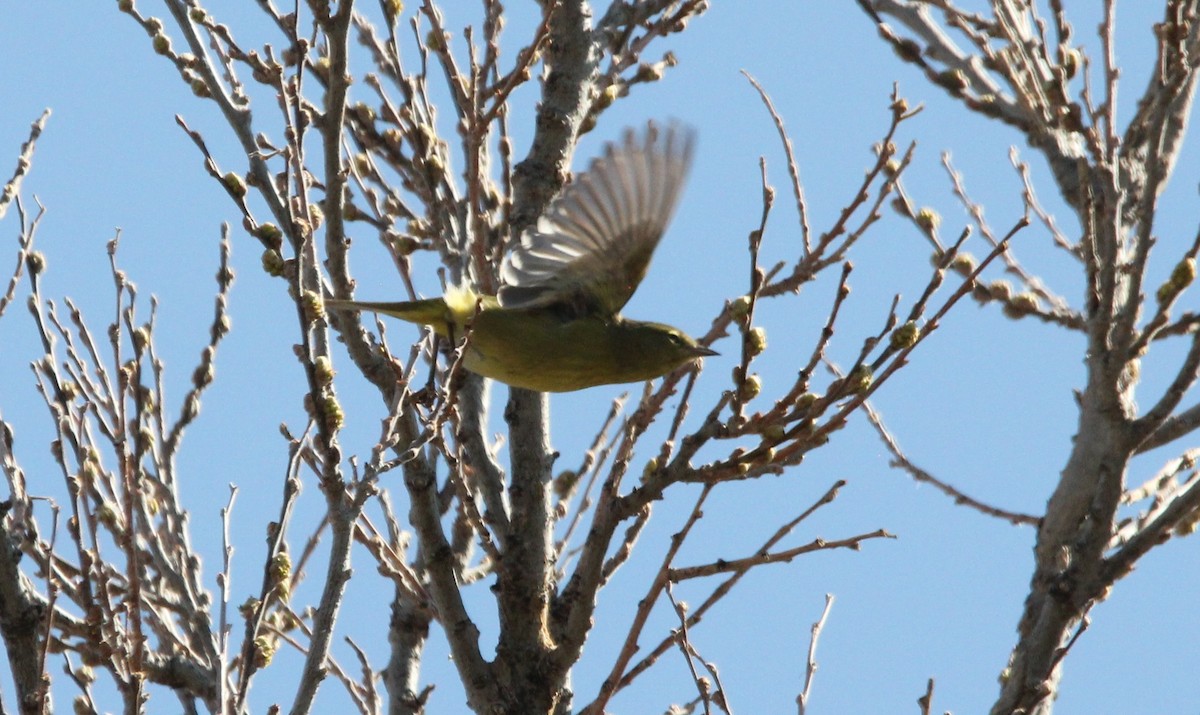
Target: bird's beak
<point>701,351</point>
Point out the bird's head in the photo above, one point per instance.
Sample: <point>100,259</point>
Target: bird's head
<point>656,349</point>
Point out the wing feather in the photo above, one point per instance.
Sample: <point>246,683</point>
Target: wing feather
<point>588,252</point>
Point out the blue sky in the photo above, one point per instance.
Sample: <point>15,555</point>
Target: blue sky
<point>986,403</point>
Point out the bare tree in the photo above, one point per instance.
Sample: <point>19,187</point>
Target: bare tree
<point>122,586</point>
<point>1023,65</point>
<point>337,117</point>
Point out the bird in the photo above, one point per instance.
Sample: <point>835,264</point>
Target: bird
<point>555,323</point>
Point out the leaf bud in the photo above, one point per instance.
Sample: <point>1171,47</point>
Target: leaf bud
<point>739,307</point>
<point>1021,304</point>
<point>36,262</point>
<point>860,379</point>
<point>323,370</point>
<point>756,341</point>
<point>750,388</point>
<point>235,184</point>
<point>905,336</point>
<point>928,219</point>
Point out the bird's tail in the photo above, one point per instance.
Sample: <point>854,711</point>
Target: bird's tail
<point>432,311</point>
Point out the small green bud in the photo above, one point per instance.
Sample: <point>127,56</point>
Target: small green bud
<point>1184,273</point>
<point>272,262</point>
<point>36,262</point>
<point>908,50</point>
<point>750,388</point>
<point>203,376</point>
<point>437,41</point>
<point>125,5</point>
<point>248,607</point>
<point>861,379</point>
<point>392,9</point>
<point>107,515</point>
<point>264,651</point>
<point>362,163</point>
<point>774,433</point>
<point>317,214</point>
<point>191,408</point>
<point>565,482</point>
<point>608,96</point>
<point>806,399</point>
<point>756,341</point>
<point>1071,61</point>
<point>905,336</point>
<point>963,264</point>
<point>647,72</point>
<point>314,307</point>
<point>364,112</point>
<point>323,369</point>
<point>162,44</point>
<point>141,338</point>
<point>739,307</point>
<point>198,14</point>
<point>1021,304</point>
<point>281,567</point>
<point>651,468</point>
<point>928,219</point>
<point>403,245</point>
<point>200,88</point>
<point>953,80</point>
<point>70,390</point>
<point>222,326</point>
<point>1000,290</point>
<point>334,417</point>
<point>270,234</point>
<point>321,67</point>
<point>235,184</point>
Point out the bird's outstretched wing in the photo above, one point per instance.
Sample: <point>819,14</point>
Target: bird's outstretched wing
<point>589,251</point>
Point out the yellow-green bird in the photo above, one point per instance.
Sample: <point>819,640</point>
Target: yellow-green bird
<point>555,325</point>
